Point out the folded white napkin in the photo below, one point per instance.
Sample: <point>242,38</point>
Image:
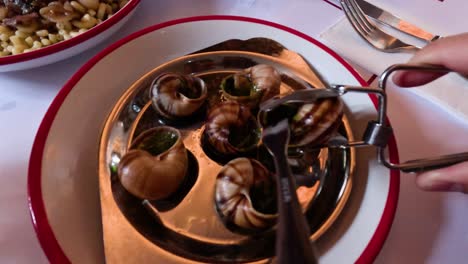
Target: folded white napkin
<point>450,92</point>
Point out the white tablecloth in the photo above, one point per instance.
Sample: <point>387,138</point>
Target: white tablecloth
<point>428,227</point>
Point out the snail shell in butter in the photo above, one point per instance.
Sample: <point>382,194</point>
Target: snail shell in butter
<point>231,128</point>
<point>245,195</point>
<point>310,124</point>
<point>156,164</point>
<point>316,123</point>
<point>175,95</point>
<point>252,85</point>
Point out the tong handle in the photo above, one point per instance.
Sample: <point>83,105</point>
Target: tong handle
<point>421,165</point>
<point>292,241</point>
<point>292,236</point>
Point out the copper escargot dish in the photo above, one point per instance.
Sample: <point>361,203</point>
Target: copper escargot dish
<point>181,156</point>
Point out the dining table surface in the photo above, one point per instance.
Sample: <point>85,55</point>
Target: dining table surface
<point>428,227</point>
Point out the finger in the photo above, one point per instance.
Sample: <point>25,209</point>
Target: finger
<point>448,52</point>
<point>453,178</point>
<point>414,78</point>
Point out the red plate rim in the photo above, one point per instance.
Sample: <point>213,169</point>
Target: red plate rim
<point>63,45</point>
<point>44,232</point>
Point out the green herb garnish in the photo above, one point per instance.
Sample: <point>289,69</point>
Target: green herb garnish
<point>158,142</point>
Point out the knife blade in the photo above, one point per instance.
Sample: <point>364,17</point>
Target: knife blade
<point>391,20</point>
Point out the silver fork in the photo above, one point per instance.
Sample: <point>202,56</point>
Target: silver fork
<point>370,32</point>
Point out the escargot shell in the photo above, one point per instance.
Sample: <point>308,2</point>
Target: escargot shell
<point>231,128</point>
<point>316,123</point>
<point>156,165</point>
<point>245,195</point>
<point>252,85</point>
<point>310,124</point>
<point>174,95</point>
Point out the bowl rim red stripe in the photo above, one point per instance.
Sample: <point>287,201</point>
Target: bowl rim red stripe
<point>44,232</point>
<point>63,45</point>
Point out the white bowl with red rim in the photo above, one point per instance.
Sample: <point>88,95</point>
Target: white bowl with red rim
<point>71,47</point>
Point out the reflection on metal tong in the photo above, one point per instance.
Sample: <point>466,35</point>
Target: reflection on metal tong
<point>378,132</point>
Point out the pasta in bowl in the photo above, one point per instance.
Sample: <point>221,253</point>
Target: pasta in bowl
<point>32,30</point>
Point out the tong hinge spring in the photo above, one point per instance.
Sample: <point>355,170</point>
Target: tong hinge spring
<point>377,134</point>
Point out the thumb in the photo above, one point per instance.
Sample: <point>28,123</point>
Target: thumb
<point>452,179</point>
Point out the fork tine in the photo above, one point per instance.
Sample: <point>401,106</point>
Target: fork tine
<point>352,19</point>
<point>349,8</point>
<point>362,18</point>
<point>370,32</point>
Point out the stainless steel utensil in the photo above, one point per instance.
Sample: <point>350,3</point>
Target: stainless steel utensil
<point>374,135</point>
<point>292,236</point>
<point>394,21</point>
<point>377,132</point>
<point>292,239</point>
<point>370,32</point>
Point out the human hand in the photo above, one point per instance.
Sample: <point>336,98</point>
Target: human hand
<point>449,52</point>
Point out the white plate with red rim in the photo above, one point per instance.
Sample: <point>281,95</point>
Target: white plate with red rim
<point>71,47</point>
<point>63,171</point>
